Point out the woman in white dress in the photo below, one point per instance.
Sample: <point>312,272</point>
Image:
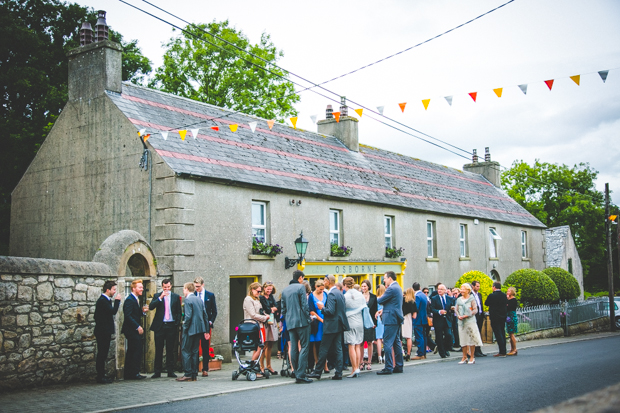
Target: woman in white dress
<point>354,337</point>
<point>466,310</point>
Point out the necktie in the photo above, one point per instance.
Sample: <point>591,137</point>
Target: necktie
<point>443,302</point>
<point>167,304</point>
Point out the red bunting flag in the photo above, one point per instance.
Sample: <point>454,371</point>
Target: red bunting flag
<point>549,83</point>
<point>337,116</point>
<point>474,95</point>
<point>402,106</point>
<point>215,128</point>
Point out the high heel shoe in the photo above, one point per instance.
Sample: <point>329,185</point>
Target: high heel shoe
<point>356,373</point>
<point>472,361</point>
<point>408,357</point>
<point>463,361</point>
<point>513,353</point>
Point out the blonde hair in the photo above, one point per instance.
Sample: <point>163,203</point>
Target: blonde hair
<point>512,290</point>
<point>467,287</point>
<point>267,284</point>
<point>199,280</point>
<point>409,295</point>
<point>357,287</point>
<point>308,288</point>
<point>348,282</point>
<point>253,286</point>
<point>380,290</point>
<point>319,283</point>
<point>189,287</point>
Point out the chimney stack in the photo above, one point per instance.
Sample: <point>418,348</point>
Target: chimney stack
<point>488,169</point>
<point>345,129</point>
<point>86,34</point>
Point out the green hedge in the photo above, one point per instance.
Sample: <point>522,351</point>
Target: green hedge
<point>485,284</point>
<point>568,287</point>
<point>536,287</point>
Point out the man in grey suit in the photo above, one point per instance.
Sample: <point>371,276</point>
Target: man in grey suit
<point>196,324</point>
<point>296,313</point>
<point>334,324</point>
<point>392,316</point>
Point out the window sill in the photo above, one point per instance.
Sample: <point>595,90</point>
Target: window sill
<point>525,259</point>
<point>330,258</point>
<point>464,259</point>
<point>429,259</point>
<point>260,257</point>
<point>389,259</point>
<point>493,259</point>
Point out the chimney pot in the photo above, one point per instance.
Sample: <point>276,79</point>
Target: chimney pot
<point>474,158</point>
<point>328,112</point>
<point>86,34</point>
<point>344,111</point>
<point>101,28</point>
<point>487,155</point>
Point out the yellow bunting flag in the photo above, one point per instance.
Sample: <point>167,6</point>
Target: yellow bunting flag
<point>182,133</point>
<point>359,112</point>
<point>233,128</point>
<point>402,106</point>
<point>215,128</point>
<point>498,91</point>
<point>549,83</point>
<point>337,116</point>
<point>270,123</point>
<point>474,95</point>
<point>425,102</point>
<point>576,79</point>
<point>613,217</point>
<point>294,121</point>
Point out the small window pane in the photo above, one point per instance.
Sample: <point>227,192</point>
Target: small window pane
<point>258,214</point>
<point>429,230</point>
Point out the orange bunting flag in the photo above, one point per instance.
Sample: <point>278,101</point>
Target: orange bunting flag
<point>425,102</point>
<point>576,79</point>
<point>215,128</point>
<point>337,116</point>
<point>182,133</point>
<point>146,137</point>
<point>359,112</point>
<point>474,95</point>
<point>402,106</point>
<point>233,128</point>
<point>294,121</point>
<point>270,123</point>
<point>549,83</point>
<point>498,91</point>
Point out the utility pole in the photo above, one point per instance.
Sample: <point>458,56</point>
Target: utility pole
<point>610,268</point>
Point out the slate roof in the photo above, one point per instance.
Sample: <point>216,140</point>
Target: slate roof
<point>298,160</point>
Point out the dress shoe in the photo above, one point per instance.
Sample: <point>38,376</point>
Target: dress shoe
<point>384,372</point>
<point>499,355</point>
<point>314,375</point>
<point>337,377</point>
<point>479,354</point>
<point>444,357</point>
<point>447,354</point>
<point>156,376</point>
<point>292,376</point>
<point>185,378</point>
<point>395,371</point>
<point>419,358</point>
<point>104,380</point>
<point>172,375</point>
<point>436,350</point>
<point>205,374</point>
<point>303,380</point>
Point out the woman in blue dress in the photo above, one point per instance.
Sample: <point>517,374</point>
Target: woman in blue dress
<point>316,332</point>
<point>380,327</point>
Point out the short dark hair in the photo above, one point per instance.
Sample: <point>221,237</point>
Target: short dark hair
<point>166,281</point>
<point>497,285</point>
<point>108,285</point>
<point>391,275</point>
<point>416,286</point>
<point>475,283</point>
<point>297,274</point>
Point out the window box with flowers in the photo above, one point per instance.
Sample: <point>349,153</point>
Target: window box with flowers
<point>393,254</point>
<point>263,251</point>
<point>338,252</point>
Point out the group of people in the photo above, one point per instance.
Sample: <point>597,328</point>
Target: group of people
<point>200,311</point>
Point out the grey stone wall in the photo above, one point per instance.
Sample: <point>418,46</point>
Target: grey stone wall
<point>47,320</point>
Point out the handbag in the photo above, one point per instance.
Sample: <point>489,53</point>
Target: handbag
<point>367,319</point>
<point>430,321</point>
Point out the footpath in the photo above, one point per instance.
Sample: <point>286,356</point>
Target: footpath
<point>120,395</point>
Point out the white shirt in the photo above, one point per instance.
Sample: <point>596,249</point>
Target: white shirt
<point>478,302</point>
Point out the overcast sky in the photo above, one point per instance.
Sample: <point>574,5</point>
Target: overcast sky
<point>525,42</point>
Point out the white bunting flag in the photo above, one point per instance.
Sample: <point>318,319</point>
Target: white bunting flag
<point>141,132</point>
<point>523,89</point>
<point>194,132</point>
<point>449,100</point>
<point>603,74</point>
<point>253,126</point>
<point>380,109</point>
<point>313,117</point>
<point>164,135</point>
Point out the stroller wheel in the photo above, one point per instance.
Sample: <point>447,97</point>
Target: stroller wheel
<point>283,373</point>
<point>251,376</point>
<point>235,374</point>
<point>266,374</point>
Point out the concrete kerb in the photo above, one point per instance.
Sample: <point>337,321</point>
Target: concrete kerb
<point>260,385</point>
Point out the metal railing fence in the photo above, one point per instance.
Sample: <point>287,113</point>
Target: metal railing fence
<point>567,313</point>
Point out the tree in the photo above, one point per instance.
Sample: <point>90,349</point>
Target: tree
<point>34,38</point>
<point>200,67</point>
<point>559,195</point>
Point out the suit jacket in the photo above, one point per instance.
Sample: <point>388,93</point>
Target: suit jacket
<point>436,305</point>
<point>497,302</point>
<point>335,313</point>
<point>196,318</point>
<point>392,302</point>
<point>104,316</point>
<point>210,305</point>
<point>421,303</point>
<point>133,314</point>
<point>372,307</point>
<point>160,310</point>
<point>295,308</point>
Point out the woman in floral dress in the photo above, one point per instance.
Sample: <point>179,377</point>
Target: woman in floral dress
<point>466,310</point>
<point>512,323</point>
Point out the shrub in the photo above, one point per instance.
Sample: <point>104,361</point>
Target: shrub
<point>485,284</point>
<point>536,288</point>
<point>568,287</point>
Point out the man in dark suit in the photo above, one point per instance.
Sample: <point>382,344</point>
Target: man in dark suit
<point>133,331</point>
<point>420,320</point>
<point>104,326</point>
<point>195,326</point>
<point>441,308</point>
<point>392,316</point>
<point>334,324</point>
<point>497,302</point>
<point>296,313</point>
<point>475,285</point>
<point>167,306</point>
<point>209,299</point>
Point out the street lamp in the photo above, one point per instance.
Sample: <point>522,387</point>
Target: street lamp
<point>301,245</point>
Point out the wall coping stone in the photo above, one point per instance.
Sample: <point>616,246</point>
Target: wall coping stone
<point>44,266</point>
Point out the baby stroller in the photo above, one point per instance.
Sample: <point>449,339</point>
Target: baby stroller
<point>248,338</point>
<point>284,343</point>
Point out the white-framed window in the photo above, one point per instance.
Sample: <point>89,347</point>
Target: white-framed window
<point>464,250</point>
<point>388,227</point>
<point>493,238</point>
<point>524,244</point>
<point>430,240</point>
<point>259,221</point>
<point>335,237</point>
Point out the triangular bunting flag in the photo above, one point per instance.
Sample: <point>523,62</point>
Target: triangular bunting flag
<point>252,126</point>
<point>359,112</point>
<point>337,116</point>
<point>603,74</point>
<point>294,121</point>
<point>182,133</point>
<point>313,117</point>
<point>549,83</point>
<point>194,132</point>
<point>215,128</point>
<point>164,135</point>
<point>449,100</point>
<point>523,89</point>
<point>233,128</point>
<point>498,91</point>
<point>146,137</point>
<point>425,102</point>
<point>380,109</point>
<point>141,132</point>
<point>402,106</point>
<point>270,123</point>
<point>473,95</point>
<point>576,79</point>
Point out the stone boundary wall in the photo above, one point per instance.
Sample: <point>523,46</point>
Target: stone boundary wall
<point>47,320</point>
